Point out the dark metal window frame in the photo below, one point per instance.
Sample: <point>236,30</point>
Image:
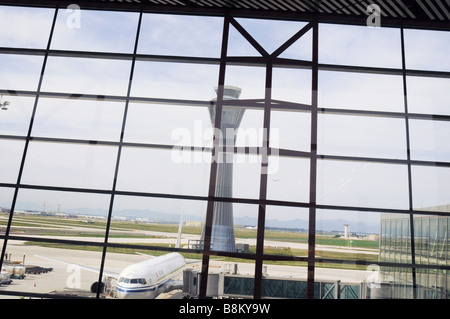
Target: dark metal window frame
<point>267,104</point>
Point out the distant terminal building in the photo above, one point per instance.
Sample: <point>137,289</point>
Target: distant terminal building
<point>431,248</point>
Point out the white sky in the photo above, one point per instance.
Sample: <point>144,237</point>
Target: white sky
<point>151,170</point>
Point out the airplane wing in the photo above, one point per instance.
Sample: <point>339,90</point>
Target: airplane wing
<point>92,269</point>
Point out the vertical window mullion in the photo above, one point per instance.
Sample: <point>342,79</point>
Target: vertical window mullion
<point>313,164</point>
<point>408,154</point>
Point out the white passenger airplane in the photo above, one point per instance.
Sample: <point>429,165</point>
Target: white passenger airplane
<point>147,279</point>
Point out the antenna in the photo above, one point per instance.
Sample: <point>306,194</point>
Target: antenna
<point>4,105</point>
<point>179,231</point>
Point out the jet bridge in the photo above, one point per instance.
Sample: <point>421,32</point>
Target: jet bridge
<point>233,285</point>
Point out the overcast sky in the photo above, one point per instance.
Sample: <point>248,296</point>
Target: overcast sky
<point>153,170</point>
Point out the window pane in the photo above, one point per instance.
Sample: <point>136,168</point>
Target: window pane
<point>428,95</point>
<point>427,50</point>
<point>81,216</point>
<point>429,140</point>
<point>430,185</point>
<point>181,35</point>
<point>286,231</point>
<point>358,45</point>
<point>25,27</point>
<point>131,209</point>
<point>250,131</point>
<point>168,124</point>
<point>233,227</point>
<point>250,79</point>
<point>292,85</point>
<point>12,151</point>
<point>348,236</point>
<point>90,30</point>
<point>78,119</point>
<point>288,179</point>
<point>361,136</point>
<point>360,225</point>
<point>290,130</point>
<point>362,184</point>
<point>86,76</point>
<point>70,165</point>
<point>20,72</point>
<point>6,197</point>
<point>16,119</point>
<point>246,176</point>
<point>175,80</point>
<point>359,91</point>
<point>60,262</point>
<point>174,171</point>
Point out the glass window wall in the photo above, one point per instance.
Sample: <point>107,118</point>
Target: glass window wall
<point>112,151</point>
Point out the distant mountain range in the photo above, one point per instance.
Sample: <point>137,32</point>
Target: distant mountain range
<point>327,225</point>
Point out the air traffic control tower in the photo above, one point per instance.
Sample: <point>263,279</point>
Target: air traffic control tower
<point>222,233</point>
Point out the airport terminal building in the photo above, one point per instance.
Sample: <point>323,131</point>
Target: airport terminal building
<point>430,248</point>
<point>262,127</point>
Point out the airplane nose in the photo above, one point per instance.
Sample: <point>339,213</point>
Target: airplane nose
<point>123,295</point>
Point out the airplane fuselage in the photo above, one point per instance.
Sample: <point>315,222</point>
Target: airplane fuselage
<point>149,278</point>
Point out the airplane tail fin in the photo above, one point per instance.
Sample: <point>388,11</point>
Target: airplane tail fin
<point>178,245</point>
